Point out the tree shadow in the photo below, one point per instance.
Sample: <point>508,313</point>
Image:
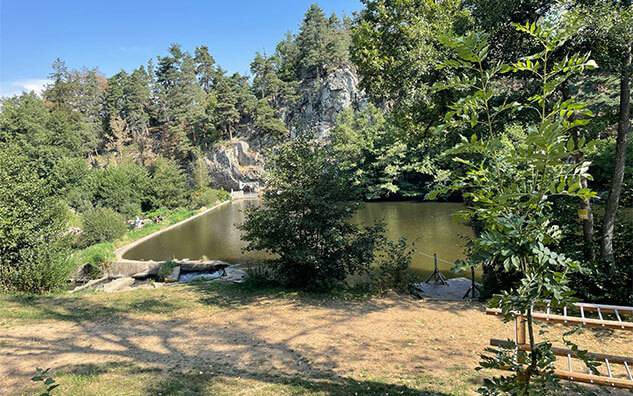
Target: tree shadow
<point>237,350</point>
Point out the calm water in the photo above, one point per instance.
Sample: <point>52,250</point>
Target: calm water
<point>429,225</point>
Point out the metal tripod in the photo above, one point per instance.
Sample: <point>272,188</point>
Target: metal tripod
<point>473,287</point>
<point>437,275</point>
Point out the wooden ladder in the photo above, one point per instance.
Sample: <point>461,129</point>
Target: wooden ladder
<point>566,318</point>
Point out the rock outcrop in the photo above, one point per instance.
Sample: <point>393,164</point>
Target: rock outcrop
<point>323,100</point>
<point>234,163</point>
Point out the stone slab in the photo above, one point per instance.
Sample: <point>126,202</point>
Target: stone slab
<point>118,285</point>
<point>455,289</point>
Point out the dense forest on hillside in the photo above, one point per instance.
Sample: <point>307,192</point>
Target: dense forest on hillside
<point>115,147</point>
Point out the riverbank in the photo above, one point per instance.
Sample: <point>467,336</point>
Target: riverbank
<point>219,338</point>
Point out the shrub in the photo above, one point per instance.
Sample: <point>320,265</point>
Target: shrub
<point>165,269</point>
<point>208,197</point>
<point>394,261</point>
<point>304,220</point>
<point>95,259</point>
<point>102,225</point>
<point>123,188</point>
<point>32,249</point>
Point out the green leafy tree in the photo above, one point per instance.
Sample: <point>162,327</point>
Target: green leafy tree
<point>510,191</point>
<point>395,46</point>
<point>168,184</point>
<point>312,43</point>
<point>124,187</point>
<point>227,111</point>
<point>33,253</point>
<point>205,68</point>
<point>383,160</point>
<point>304,219</point>
<point>267,121</point>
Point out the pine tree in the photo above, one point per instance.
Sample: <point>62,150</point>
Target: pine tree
<point>226,107</point>
<point>312,42</point>
<point>205,68</point>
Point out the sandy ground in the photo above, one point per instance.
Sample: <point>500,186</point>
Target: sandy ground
<point>392,337</point>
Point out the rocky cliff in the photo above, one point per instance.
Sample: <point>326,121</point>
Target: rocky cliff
<point>234,162</point>
<point>322,100</point>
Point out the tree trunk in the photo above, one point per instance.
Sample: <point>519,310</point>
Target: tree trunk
<point>608,225</point>
<point>584,203</point>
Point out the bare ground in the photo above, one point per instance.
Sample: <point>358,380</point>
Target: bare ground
<point>220,339</point>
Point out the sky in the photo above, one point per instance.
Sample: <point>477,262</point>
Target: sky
<point>115,35</point>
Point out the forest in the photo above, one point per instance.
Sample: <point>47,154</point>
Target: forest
<point>93,146</point>
<point>521,110</point>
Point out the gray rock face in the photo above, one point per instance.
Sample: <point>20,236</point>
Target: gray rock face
<point>324,100</point>
<point>228,166</point>
<point>119,285</point>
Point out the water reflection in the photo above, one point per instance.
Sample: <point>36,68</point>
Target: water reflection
<point>429,225</point>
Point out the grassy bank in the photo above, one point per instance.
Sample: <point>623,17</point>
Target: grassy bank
<point>96,257</point>
<point>252,339</point>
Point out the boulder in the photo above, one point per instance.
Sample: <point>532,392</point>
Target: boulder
<point>125,268</point>
<point>92,285</point>
<point>119,285</point>
<point>174,275</point>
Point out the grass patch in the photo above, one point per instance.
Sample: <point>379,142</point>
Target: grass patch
<point>128,379</point>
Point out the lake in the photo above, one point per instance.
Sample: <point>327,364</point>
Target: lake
<point>429,225</point>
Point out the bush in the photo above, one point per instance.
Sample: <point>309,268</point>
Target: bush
<point>123,188</point>
<point>165,269</point>
<point>304,220</point>
<point>33,250</point>
<point>208,197</point>
<point>394,261</point>
<point>102,225</point>
<point>95,259</point>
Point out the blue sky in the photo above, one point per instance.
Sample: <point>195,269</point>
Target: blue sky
<point>115,35</point>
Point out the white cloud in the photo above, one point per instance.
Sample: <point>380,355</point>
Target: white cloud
<point>27,85</point>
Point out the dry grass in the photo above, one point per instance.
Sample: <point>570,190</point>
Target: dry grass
<point>235,339</point>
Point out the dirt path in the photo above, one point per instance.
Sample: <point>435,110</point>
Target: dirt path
<point>410,344</point>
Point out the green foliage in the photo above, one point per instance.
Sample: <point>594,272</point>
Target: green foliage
<point>168,184</point>
<point>122,187</point>
<point>304,220</point>
<point>32,249</point>
<point>396,48</point>
<point>394,260</point>
<point>101,225</point>
<point>602,168</point>
<point>94,259</point>
<point>384,161</point>
<point>509,192</point>
<point>49,381</point>
<point>266,120</point>
<point>165,269</point>
<point>208,197</point>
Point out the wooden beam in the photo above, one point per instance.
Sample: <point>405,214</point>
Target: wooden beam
<point>564,352</point>
<point>588,378</point>
<point>594,379</point>
<point>572,320</point>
